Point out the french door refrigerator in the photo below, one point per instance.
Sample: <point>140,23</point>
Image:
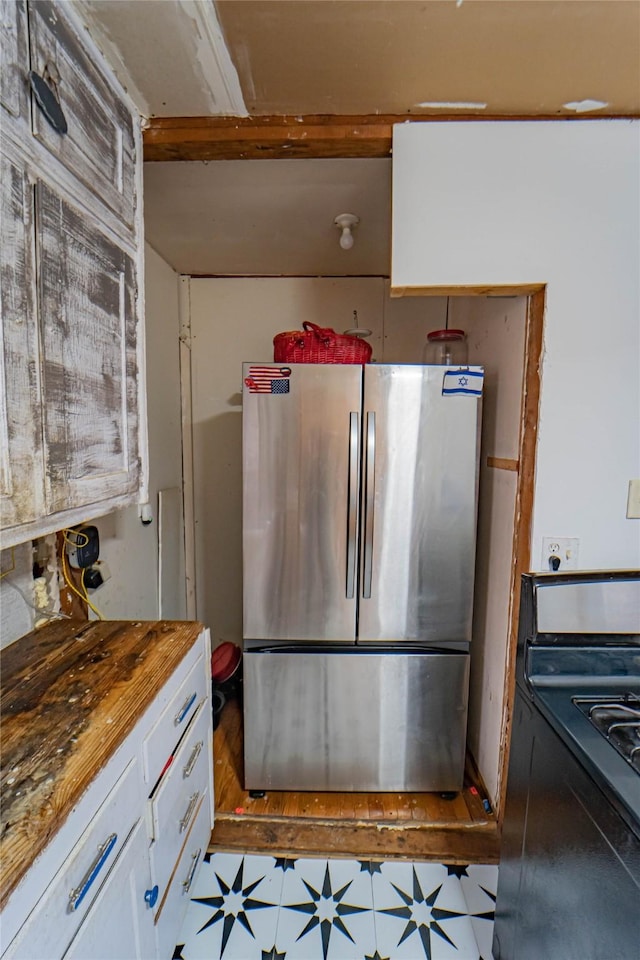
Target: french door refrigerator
<point>359,525</point>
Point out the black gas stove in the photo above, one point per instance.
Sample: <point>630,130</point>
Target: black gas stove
<point>569,880</point>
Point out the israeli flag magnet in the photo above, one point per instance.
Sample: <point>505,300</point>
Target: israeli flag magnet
<point>465,381</point>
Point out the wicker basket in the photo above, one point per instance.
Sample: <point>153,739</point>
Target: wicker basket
<point>317,344</point>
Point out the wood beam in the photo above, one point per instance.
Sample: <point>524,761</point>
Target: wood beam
<point>329,136</point>
<point>267,138</point>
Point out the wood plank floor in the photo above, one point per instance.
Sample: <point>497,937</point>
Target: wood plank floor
<point>363,825</point>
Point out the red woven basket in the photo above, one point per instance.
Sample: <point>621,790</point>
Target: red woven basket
<point>317,344</point>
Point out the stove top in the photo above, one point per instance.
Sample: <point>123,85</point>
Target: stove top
<point>618,720</point>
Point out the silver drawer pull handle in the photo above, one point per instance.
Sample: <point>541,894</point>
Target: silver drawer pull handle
<point>186,884</point>
<point>184,823</point>
<point>184,709</point>
<point>187,770</point>
<point>77,896</point>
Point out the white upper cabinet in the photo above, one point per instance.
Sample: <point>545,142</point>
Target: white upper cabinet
<point>71,355</point>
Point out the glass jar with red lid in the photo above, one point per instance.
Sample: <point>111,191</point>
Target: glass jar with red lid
<point>447,347</point>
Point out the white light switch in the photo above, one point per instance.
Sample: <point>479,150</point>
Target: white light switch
<point>633,500</point>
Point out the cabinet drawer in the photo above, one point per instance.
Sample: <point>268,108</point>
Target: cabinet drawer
<point>177,798</point>
<point>119,925</point>
<point>98,146</point>
<point>160,744</point>
<point>55,920</point>
<point>174,904</point>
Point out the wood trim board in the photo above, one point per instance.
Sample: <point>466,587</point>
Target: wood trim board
<point>521,556</point>
<point>503,463</point>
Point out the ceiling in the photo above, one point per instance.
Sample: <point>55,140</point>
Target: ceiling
<point>404,58</point>
<point>269,217</point>
<point>495,57</point>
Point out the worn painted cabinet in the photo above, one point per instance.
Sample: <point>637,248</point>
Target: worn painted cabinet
<point>72,419</point>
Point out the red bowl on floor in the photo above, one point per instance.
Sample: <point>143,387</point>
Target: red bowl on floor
<point>225,661</point>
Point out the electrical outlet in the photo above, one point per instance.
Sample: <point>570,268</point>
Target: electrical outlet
<point>563,549</point>
<point>97,574</point>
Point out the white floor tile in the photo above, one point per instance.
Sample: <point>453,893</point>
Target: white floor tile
<point>479,889</point>
<point>420,913</point>
<point>326,912</point>
<point>233,912</point>
<point>266,908</point>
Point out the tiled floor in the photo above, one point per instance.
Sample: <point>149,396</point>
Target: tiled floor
<point>263,908</point>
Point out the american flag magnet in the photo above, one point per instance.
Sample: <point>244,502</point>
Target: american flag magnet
<point>268,380</point>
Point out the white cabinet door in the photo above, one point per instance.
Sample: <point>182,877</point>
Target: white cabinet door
<point>98,147</point>
<point>21,467</point>
<point>88,332</point>
<point>119,925</point>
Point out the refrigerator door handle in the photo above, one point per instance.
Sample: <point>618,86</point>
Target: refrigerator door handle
<point>369,501</point>
<point>352,505</point>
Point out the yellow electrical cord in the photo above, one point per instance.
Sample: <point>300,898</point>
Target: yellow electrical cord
<point>67,576</point>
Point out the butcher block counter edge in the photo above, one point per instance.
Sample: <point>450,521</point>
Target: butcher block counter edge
<point>71,693</point>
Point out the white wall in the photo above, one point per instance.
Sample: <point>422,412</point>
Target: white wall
<point>130,549</point>
<point>555,203</point>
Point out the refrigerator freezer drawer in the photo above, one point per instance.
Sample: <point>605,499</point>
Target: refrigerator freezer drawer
<point>355,720</point>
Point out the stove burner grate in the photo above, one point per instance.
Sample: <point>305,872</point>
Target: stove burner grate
<point>618,720</point>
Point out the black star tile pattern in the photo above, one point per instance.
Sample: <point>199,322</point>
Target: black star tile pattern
<point>457,870</point>
<point>229,914</point>
<point>425,928</point>
<point>416,920</point>
<point>285,863</point>
<point>488,914</point>
<point>327,910</point>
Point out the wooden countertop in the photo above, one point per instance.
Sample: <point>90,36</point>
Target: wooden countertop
<point>70,694</point>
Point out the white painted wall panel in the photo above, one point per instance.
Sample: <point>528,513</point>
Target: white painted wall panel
<point>554,203</point>
<point>129,548</point>
<point>171,585</point>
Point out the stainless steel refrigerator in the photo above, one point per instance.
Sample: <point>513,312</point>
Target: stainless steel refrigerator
<point>359,529</point>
